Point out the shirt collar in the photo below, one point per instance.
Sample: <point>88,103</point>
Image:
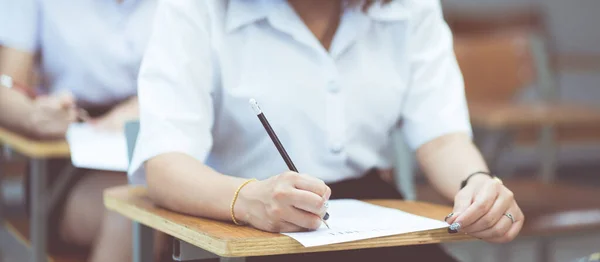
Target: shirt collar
<point>394,11</point>
<point>244,12</point>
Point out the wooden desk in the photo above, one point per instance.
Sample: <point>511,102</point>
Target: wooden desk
<point>35,148</point>
<point>228,240</point>
<point>41,197</point>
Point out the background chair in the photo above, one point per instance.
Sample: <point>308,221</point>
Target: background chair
<point>503,57</point>
<point>500,59</point>
<point>143,236</point>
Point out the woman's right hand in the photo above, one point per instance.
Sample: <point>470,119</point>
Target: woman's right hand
<point>289,202</point>
<point>52,115</point>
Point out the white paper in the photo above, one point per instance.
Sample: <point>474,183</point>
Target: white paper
<point>93,148</point>
<point>352,220</point>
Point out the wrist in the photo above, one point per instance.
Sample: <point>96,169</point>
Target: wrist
<point>476,179</point>
<point>479,180</point>
<point>245,201</point>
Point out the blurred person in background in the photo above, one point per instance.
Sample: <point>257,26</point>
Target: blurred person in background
<point>335,78</point>
<point>85,54</point>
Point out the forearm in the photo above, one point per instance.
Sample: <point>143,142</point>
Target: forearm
<point>448,160</point>
<point>183,184</point>
<point>16,109</point>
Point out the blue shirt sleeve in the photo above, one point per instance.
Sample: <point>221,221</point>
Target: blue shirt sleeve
<point>19,24</point>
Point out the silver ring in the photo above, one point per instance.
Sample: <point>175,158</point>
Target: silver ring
<point>449,216</point>
<point>326,205</point>
<point>510,216</point>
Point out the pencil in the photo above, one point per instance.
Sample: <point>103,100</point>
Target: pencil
<point>286,158</point>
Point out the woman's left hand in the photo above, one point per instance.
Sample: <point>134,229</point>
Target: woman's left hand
<point>116,118</point>
<point>486,209</point>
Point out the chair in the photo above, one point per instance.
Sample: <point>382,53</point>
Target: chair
<point>143,236</point>
<point>132,129</point>
<point>496,67</point>
<point>498,61</point>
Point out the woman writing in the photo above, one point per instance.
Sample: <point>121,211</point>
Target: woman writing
<point>335,78</point>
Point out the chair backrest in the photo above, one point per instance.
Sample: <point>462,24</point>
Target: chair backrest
<point>503,49</point>
<point>132,129</point>
<point>495,18</point>
<point>495,67</point>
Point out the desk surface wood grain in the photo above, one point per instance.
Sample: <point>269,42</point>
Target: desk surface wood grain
<point>35,148</point>
<point>228,240</point>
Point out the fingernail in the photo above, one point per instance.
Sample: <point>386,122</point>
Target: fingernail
<point>448,216</point>
<point>454,228</point>
<point>326,216</point>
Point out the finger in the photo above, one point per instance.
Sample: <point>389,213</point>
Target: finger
<point>493,216</point>
<point>311,184</point>
<point>498,230</point>
<point>286,227</point>
<point>302,218</point>
<point>66,99</point>
<point>71,116</point>
<point>306,201</point>
<point>462,201</point>
<point>323,213</point>
<point>83,115</point>
<point>481,205</point>
<point>515,227</point>
<point>48,104</point>
<point>512,233</point>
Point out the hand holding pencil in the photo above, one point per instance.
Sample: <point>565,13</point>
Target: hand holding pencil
<point>51,116</point>
<point>288,202</point>
<point>298,190</point>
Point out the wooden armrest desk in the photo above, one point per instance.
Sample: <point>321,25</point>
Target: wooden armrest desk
<point>41,197</point>
<point>35,148</point>
<point>226,240</point>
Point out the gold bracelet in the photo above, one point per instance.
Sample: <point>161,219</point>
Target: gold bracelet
<point>235,196</point>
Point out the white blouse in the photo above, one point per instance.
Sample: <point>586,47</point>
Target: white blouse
<point>332,110</point>
<point>92,48</point>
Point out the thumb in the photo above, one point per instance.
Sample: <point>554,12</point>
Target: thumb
<point>462,201</point>
<point>66,99</point>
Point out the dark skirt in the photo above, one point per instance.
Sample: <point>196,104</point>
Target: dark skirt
<point>370,186</point>
<point>54,241</point>
<point>54,167</point>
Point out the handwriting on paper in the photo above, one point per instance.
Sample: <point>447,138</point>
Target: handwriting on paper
<point>352,220</point>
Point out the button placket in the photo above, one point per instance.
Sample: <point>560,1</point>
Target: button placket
<point>335,117</point>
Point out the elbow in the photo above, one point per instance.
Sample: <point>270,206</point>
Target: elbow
<point>156,181</point>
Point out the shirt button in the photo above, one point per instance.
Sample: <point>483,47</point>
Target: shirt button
<point>333,87</point>
<point>337,148</point>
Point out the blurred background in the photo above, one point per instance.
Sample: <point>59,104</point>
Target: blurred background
<point>532,74</point>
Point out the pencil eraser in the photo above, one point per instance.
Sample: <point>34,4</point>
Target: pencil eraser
<point>255,106</point>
